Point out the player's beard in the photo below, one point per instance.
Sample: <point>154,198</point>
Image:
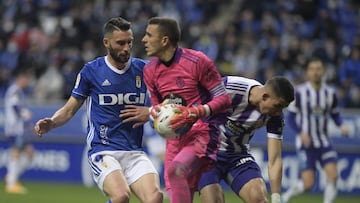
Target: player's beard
<point>119,58</point>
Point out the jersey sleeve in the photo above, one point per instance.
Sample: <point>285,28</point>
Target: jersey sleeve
<point>82,85</point>
<point>210,78</point>
<point>208,74</point>
<point>335,113</point>
<point>275,126</point>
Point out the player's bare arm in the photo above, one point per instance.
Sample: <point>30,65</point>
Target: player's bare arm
<point>138,114</point>
<point>345,131</point>
<point>59,118</point>
<point>305,139</point>
<point>275,166</point>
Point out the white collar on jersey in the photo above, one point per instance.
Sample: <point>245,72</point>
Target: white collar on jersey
<point>115,69</point>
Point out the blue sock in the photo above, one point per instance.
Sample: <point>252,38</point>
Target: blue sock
<point>109,201</point>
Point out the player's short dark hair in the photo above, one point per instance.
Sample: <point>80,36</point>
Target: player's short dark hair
<point>311,60</point>
<point>282,88</point>
<point>117,23</point>
<point>167,27</point>
<point>22,72</point>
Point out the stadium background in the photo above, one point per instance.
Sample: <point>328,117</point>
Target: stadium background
<point>254,38</point>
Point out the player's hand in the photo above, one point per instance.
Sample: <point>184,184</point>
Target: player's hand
<point>187,116</point>
<point>344,130</point>
<point>137,114</point>
<point>305,139</point>
<point>155,110</point>
<point>43,126</point>
<point>26,114</point>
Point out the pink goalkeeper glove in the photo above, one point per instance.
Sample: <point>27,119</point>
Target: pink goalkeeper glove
<point>187,116</point>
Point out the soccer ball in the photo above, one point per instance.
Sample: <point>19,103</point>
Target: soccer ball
<point>162,121</point>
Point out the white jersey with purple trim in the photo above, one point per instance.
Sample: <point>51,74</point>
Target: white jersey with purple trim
<point>314,109</point>
<point>243,119</point>
<point>14,103</point>
<point>106,91</point>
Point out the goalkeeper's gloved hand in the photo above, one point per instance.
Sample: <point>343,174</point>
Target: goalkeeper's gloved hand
<point>188,115</point>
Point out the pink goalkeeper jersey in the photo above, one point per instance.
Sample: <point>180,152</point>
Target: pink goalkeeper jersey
<point>187,81</point>
<point>190,79</point>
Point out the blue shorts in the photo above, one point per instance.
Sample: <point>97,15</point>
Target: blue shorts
<point>17,141</point>
<point>309,156</point>
<point>236,171</point>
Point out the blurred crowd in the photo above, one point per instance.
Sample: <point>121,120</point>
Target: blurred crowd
<point>52,39</point>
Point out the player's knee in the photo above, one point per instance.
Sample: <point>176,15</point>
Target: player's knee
<point>258,195</point>
<point>156,197</point>
<point>151,196</point>
<point>332,177</point>
<point>15,153</point>
<point>29,150</point>
<point>120,197</point>
<point>308,185</point>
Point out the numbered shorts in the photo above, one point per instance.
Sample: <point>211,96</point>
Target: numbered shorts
<point>133,164</point>
<point>309,156</point>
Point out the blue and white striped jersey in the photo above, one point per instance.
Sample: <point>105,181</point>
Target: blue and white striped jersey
<point>313,109</point>
<point>15,107</point>
<point>106,90</point>
<point>243,119</point>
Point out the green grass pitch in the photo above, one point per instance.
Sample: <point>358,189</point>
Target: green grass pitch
<point>72,193</point>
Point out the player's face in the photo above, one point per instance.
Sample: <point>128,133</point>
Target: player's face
<point>153,40</point>
<point>315,71</point>
<point>272,106</point>
<point>119,45</point>
<point>24,81</point>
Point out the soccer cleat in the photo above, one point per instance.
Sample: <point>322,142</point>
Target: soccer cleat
<point>16,189</point>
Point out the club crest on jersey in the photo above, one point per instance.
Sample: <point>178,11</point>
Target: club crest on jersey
<point>180,82</point>
<point>77,81</point>
<point>138,81</point>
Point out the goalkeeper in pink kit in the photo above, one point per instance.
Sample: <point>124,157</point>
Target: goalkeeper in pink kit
<point>189,78</point>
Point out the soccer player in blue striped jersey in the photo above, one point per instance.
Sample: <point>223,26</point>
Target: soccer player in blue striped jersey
<point>315,104</point>
<point>253,105</point>
<point>107,85</point>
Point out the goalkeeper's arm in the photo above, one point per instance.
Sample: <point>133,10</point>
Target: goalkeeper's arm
<point>189,115</point>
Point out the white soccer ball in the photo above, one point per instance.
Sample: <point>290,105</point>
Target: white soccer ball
<point>162,121</point>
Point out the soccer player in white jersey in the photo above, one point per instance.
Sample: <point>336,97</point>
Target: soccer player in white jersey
<point>108,84</point>
<point>253,105</point>
<point>17,116</point>
<point>315,103</point>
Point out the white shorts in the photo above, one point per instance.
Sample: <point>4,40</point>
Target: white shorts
<point>133,164</point>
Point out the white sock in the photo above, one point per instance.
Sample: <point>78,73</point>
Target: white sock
<point>12,172</point>
<point>294,190</point>
<point>330,192</point>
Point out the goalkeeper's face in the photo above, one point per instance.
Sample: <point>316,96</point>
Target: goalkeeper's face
<point>153,41</point>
